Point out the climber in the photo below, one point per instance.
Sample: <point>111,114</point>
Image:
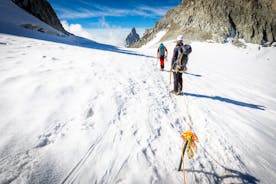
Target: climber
<point>162,54</point>
<point>179,62</point>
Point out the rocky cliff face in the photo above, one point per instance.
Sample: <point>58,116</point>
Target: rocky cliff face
<point>42,10</point>
<point>251,20</point>
<point>132,37</point>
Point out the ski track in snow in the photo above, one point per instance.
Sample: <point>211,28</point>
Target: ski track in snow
<point>79,115</point>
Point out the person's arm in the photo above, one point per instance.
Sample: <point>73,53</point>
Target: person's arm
<point>157,53</point>
<point>166,53</point>
<point>175,53</point>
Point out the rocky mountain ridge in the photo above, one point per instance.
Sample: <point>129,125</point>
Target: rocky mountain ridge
<point>43,11</point>
<point>251,20</point>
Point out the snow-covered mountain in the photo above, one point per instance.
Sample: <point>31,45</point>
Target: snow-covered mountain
<point>76,111</point>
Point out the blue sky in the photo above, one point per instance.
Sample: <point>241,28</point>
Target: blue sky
<point>116,13</point>
<point>109,21</point>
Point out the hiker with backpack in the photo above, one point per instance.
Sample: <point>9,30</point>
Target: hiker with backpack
<point>179,62</point>
<point>162,54</point>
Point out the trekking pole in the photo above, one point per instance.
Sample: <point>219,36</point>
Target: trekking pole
<point>170,76</point>
<point>182,156</point>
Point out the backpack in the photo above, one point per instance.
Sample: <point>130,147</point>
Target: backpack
<point>182,58</point>
<point>162,50</point>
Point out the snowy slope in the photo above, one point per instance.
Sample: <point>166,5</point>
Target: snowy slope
<point>13,19</point>
<point>72,114</point>
<point>155,40</point>
<point>231,96</point>
<point>94,113</point>
<point>99,112</point>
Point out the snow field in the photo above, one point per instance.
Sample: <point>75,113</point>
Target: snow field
<point>72,99</point>
<point>73,114</point>
<point>233,114</point>
<point>94,113</point>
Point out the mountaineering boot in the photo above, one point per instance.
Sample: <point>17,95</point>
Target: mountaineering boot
<point>173,92</point>
<point>179,88</point>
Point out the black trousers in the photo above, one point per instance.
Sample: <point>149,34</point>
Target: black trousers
<point>177,81</point>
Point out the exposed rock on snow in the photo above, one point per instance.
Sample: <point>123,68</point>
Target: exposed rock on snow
<point>40,29</point>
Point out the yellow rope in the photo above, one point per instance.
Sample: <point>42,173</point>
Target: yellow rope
<point>189,137</point>
<point>188,114</point>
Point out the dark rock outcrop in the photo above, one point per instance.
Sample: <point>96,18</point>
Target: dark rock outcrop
<point>43,11</point>
<point>132,37</point>
<point>251,20</point>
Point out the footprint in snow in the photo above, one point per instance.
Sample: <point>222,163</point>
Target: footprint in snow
<point>42,142</point>
<point>135,132</point>
<point>50,136</point>
<point>90,113</point>
<point>10,57</point>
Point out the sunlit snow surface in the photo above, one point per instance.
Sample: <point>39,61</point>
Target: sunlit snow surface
<point>93,113</point>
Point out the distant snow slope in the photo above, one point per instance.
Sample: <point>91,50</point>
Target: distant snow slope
<point>155,40</point>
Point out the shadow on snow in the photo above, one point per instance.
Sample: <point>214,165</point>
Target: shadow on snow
<point>72,40</point>
<point>227,100</point>
<point>244,178</point>
<point>195,75</point>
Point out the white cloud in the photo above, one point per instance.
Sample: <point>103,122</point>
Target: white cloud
<point>69,14</point>
<point>103,11</point>
<point>103,23</point>
<point>155,10</point>
<point>113,36</point>
<point>76,29</point>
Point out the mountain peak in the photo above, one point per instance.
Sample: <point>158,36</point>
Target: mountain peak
<point>132,37</point>
<point>133,30</point>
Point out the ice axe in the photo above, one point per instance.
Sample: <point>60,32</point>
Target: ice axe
<point>170,76</point>
<point>182,156</point>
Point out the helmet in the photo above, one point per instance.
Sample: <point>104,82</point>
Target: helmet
<point>180,38</point>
